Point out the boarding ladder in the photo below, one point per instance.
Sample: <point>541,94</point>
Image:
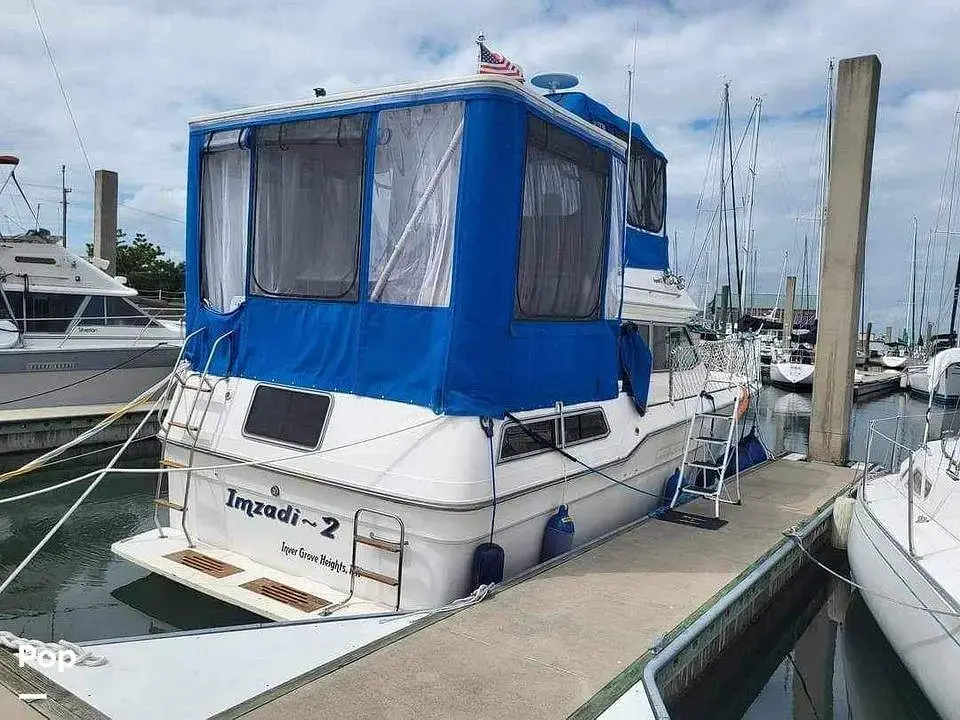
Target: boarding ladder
<point>713,435</point>
<point>382,545</point>
<point>180,382</point>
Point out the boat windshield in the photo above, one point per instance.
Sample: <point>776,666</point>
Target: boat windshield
<point>57,312</point>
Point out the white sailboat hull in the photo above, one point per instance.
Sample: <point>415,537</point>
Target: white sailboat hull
<point>928,644</point>
<point>893,362</point>
<point>947,390</point>
<point>793,376</point>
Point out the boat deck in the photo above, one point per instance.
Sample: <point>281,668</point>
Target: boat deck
<point>542,647</point>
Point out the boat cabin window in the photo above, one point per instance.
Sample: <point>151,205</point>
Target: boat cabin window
<point>578,427</point>
<point>563,227</point>
<point>46,312</point>
<point>309,179</point>
<point>415,204</point>
<point>648,189</point>
<point>287,416</point>
<point>113,312</point>
<point>224,197</point>
<point>35,260</point>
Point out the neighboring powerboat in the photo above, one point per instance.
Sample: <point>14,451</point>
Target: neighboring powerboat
<point>70,334</point>
<point>904,549</point>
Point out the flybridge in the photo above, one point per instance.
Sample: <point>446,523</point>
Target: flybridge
<point>457,245</point>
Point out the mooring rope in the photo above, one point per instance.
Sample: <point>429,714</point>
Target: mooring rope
<point>793,535</point>
<point>81,656</point>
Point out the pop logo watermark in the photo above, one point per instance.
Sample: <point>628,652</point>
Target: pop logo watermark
<point>45,657</point>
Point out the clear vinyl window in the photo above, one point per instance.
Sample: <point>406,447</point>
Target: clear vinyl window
<point>309,180</point>
<point>415,204</point>
<point>224,204</point>
<point>564,224</point>
<point>648,189</point>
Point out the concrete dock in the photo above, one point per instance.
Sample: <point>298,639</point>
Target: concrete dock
<point>29,432</point>
<point>547,645</point>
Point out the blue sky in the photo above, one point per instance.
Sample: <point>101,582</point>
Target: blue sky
<point>136,70</point>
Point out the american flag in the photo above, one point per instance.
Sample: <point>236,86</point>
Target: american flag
<point>493,63</point>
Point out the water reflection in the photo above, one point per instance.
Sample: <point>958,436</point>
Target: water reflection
<point>784,419</point>
<point>841,667</point>
<point>70,589</point>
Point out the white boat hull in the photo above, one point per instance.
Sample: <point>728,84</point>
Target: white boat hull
<point>793,376</point>
<point>893,362</point>
<point>59,378</point>
<point>928,644</point>
<point>947,390</point>
<point>446,512</point>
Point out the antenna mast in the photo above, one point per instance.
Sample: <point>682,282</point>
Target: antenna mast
<point>64,189</point>
<point>626,178</point>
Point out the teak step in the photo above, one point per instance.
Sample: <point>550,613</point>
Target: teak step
<point>184,426</point>
<point>716,415</point>
<point>712,440</point>
<point>203,563</point>
<point>285,594</point>
<point>387,545</point>
<point>376,577</point>
<point>164,502</point>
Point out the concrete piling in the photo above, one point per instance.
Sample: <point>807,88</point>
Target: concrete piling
<point>858,84</point>
<point>105,218</point>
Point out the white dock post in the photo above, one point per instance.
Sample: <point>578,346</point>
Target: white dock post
<point>841,276</point>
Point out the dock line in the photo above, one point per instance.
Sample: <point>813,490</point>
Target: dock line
<point>799,542</point>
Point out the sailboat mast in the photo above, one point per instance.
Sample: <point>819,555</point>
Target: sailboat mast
<point>923,291</point>
<point>825,181</point>
<point>733,207</point>
<point>753,189</point>
<point>913,285</point>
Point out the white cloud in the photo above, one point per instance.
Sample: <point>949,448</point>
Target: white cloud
<point>135,70</point>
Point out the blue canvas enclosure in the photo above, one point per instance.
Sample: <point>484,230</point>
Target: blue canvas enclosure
<point>452,246</point>
<point>646,239</point>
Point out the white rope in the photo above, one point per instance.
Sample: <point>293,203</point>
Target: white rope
<point>79,500</point>
<point>87,434</point>
<point>799,542</point>
<point>110,470</point>
<point>81,656</point>
<point>472,599</point>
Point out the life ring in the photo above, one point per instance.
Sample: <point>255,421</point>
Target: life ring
<point>744,402</point>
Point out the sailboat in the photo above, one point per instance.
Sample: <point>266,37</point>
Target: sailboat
<point>795,369</point>
<point>904,547</point>
<point>947,388</point>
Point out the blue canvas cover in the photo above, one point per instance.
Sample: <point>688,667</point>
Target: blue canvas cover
<point>603,117</point>
<point>643,249</point>
<point>469,358</point>
<point>636,363</point>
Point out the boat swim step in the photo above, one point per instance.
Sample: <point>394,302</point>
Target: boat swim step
<point>303,601</point>
<point>164,502</point>
<point>203,563</point>
<point>376,577</point>
<point>387,545</point>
